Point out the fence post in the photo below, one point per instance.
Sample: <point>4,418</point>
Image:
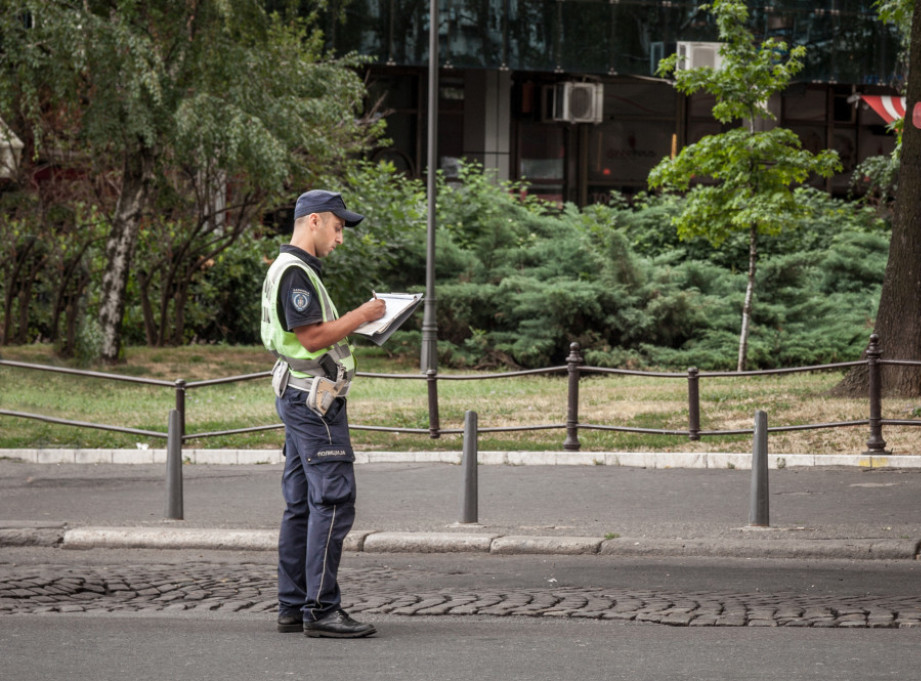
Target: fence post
<point>876,444</point>
<point>572,413</point>
<point>174,467</point>
<point>434,423</point>
<point>693,403</point>
<point>180,403</point>
<point>759,512</point>
<point>470,512</point>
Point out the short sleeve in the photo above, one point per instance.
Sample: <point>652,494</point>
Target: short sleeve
<point>298,302</point>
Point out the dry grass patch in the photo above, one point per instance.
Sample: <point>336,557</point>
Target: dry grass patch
<point>612,400</point>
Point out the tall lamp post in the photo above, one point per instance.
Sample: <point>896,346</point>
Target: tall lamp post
<point>429,359</point>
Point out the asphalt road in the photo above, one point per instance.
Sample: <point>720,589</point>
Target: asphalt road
<point>142,614</point>
<point>162,640</point>
<point>807,504</point>
<point>445,649</point>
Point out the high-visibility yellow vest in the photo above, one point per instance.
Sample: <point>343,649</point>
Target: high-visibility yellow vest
<point>283,343</point>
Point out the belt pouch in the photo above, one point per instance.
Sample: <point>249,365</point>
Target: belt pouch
<point>280,376</point>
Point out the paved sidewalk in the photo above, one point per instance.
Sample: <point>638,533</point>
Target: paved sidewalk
<point>413,502</point>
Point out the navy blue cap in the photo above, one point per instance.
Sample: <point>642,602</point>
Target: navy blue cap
<point>322,201</point>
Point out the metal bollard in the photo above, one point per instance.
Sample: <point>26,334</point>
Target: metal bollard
<point>174,467</point>
<point>469,512</point>
<point>572,443</point>
<point>180,403</point>
<point>431,377</point>
<point>693,403</point>
<point>759,513</point>
<point>876,444</point>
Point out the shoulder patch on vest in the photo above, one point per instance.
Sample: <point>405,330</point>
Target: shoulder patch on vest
<point>300,299</point>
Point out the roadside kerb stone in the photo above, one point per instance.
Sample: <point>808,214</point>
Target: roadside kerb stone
<point>165,537</point>
<point>766,548</point>
<point>653,460</point>
<point>31,533</point>
<point>50,534</point>
<point>427,542</point>
<point>558,545</point>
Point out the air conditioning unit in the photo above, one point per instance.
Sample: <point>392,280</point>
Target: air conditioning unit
<point>578,102</point>
<point>694,55</point>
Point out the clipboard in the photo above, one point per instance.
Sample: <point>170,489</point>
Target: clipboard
<point>400,307</point>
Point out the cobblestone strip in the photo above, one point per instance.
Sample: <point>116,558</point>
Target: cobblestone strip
<point>234,588</point>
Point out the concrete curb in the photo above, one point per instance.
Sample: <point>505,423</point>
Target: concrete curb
<point>31,533</point>
<point>427,542</point>
<point>860,549</point>
<point>718,460</point>
<point>169,538</point>
<point>57,535</point>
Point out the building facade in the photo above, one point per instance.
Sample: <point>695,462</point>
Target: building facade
<point>564,93</point>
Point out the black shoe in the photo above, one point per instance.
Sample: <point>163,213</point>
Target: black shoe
<point>290,624</point>
<point>338,625</point>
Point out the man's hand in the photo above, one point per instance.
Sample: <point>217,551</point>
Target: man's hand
<point>373,309</point>
<point>318,336</point>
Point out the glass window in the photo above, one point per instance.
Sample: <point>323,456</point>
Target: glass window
<point>802,104</point>
<point>700,105</point>
<point>541,160</point>
<point>813,137</point>
<point>875,141</point>
<point>623,152</point>
<point>642,99</point>
<point>612,37</point>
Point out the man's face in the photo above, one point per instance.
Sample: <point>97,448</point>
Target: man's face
<point>328,234</point>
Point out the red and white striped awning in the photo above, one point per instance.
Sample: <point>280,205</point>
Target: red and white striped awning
<point>888,107</point>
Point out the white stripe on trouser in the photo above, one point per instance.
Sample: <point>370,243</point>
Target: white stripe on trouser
<point>332,524</point>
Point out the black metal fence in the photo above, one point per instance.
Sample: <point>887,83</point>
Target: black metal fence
<point>574,368</point>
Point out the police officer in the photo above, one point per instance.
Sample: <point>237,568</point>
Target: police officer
<point>311,379</point>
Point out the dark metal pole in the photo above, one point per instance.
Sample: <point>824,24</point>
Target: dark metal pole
<point>434,421</point>
<point>470,512</point>
<point>693,403</point>
<point>180,403</point>
<point>760,512</point>
<point>572,413</point>
<point>174,467</point>
<point>876,444</point>
<point>429,359</point>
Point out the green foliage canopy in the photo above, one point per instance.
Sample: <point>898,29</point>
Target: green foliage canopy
<point>742,178</point>
<point>162,107</point>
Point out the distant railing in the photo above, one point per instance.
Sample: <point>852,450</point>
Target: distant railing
<point>574,368</point>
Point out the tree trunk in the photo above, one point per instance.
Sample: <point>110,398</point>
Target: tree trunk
<point>898,321</point>
<point>71,290</point>
<point>150,326</point>
<point>180,299</point>
<point>749,296</point>
<point>133,200</point>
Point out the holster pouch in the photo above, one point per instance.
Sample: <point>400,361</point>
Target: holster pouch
<point>280,375</point>
<point>322,394</point>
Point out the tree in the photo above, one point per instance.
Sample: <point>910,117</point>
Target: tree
<point>202,112</point>
<point>898,319</point>
<point>743,179</point>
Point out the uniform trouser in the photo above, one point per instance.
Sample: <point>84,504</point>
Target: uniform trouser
<point>319,495</point>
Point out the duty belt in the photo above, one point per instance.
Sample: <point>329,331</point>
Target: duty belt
<point>282,378</point>
<point>306,384</point>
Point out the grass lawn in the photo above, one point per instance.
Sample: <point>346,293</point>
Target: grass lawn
<point>631,401</point>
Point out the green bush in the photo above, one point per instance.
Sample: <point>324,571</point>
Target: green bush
<point>518,281</point>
